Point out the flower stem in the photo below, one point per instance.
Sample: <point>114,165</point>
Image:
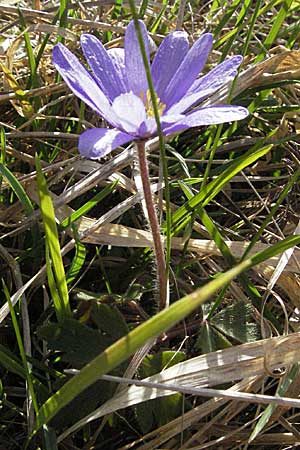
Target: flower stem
<point>154,225</point>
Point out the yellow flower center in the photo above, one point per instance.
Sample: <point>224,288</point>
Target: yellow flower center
<point>149,106</point>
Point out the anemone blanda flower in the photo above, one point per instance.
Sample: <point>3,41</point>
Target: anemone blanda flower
<point>117,88</point>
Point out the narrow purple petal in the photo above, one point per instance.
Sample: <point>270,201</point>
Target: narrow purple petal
<point>117,56</point>
<point>188,70</point>
<point>98,142</point>
<point>210,116</point>
<point>168,58</point>
<point>102,66</point>
<point>130,111</point>
<point>189,100</point>
<point>218,76</point>
<point>135,70</point>
<point>80,82</point>
<point>208,84</point>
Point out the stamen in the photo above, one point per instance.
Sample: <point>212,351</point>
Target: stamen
<point>148,104</point>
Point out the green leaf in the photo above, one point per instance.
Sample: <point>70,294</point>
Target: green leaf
<point>236,321</point>
<point>78,343</point>
<point>210,340</point>
<point>26,367</point>
<point>109,320</point>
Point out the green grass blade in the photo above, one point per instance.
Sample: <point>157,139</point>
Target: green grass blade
<point>52,240</point>
<point>161,322</point>
<point>273,212</point>
<point>21,348</point>
<point>182,215</point>
<point>275,28</point>
<point>58,306</point>
<point>227,16</point>
<point>50,440</point>
<point>89,205</point>
<point>78,260</point>
<point>17,188</point>
<point>63,16</point>
<point>32,82</point>
<point>9,361</point>
<point>265,417</point>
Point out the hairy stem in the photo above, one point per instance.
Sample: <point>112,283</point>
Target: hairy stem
<point>154,225</point>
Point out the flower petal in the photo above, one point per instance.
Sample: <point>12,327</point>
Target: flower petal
<point>188,70</point>
<point>81,82</point>
<point>98,142</point>
<point>102,66</point>
<point>168,58</point>
<point>135,70</point>
<point>117,56</point>
<point>210,116</point>
<point>218,76</point>
<point>207,84</point>
<point>130,111</point>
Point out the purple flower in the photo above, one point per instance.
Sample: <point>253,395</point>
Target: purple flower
<point>117,88</point>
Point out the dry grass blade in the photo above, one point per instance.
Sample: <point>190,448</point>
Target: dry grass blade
<point>123,236</point>
<point>241,362</point>
<point>29,13</point>
<point>189,419</point>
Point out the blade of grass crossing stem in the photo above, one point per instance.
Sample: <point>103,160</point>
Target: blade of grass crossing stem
<point>183,214</point>
<point>213,142</point>
<point>51,235</point>
<point>161,322</point>
<point>21,347</point>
